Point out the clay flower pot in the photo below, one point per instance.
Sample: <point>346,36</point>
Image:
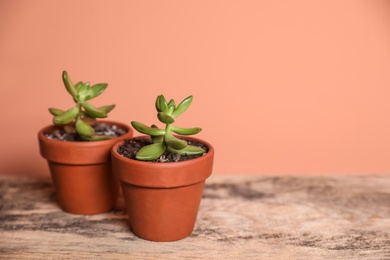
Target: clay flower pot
<point>81,171</point>
<point>162,199</point>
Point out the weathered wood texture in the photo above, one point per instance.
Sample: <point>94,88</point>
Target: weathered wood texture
<point>259,217</point>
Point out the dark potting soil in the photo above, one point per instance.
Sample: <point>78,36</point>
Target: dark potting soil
<point>100,129</point>
<point>130,148</point>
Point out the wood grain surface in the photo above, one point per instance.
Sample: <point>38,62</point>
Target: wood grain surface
<point>240,217</point>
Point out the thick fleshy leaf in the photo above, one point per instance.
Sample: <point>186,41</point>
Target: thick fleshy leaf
<point>186,131</point>
<point>69,84</point>
<point>66,117</point>
<point>142,128</point>
<point>78,85</point>
<point>174,142</point>
<point>56,111</point>
<point>96,138</point>
<point>83,92</point>
<point>151,152</point>
<point>171,106</point>
<point>95,90</point>
<point>93,111</point>
<point>157,104</point>
<point>106,109</point>
<point>157,139</point>
<point>183,106</point>
<point>84,129</point>
<point>163,104</point>
<point>172,103</point>
<point>188,150</point>
<point>165,118</point>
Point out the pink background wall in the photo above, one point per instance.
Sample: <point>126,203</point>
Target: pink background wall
<point>279,86</point>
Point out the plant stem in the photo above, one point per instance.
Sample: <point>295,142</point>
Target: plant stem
<point>168,128</point>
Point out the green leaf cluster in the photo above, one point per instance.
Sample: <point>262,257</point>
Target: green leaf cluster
<point>164,139</point>
<point>80,118</point>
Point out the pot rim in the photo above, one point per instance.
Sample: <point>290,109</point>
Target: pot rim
<point>114,151</point>
<point>162,174</point>
<point>48,128</point>
<point>79,153</point>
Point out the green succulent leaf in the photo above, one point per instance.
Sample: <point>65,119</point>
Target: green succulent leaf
<point>183,106</point>
<point>163,104</point>
<point>157,104</point>
<point>174,142</point>
<point>151,152</point>
<point>157,139</point>
<point>188,150</point>
<point>186,131</point>
<point>66,117</point>
<point>171,106</point>
<point>83,93</point>
<point>84,129</point>
<point>93,111</point>
<point>165,118</point>
<point>95,90</point>
<point>56,111</point>
<point>96,138</point>
<point>78,85</point>
<point>106,109</point>
<point>69,84</point>
<point>142,128</point>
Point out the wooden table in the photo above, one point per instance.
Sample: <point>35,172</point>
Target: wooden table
<point>251,217</point>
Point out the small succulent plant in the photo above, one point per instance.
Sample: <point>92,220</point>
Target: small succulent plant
<point>80,118</point>
<point>163,140</point>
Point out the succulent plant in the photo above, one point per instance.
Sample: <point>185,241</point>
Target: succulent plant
<point>163,140</point>
<point>80,118</point>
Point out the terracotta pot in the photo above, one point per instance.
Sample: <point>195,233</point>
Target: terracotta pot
<point>162,199</point>
<point>81,171</point>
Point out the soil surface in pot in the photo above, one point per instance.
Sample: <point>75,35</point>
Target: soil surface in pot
<point>130,148</point>
<point>100,129</point>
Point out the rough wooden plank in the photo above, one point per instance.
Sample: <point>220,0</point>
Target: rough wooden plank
<point>260,217</point>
